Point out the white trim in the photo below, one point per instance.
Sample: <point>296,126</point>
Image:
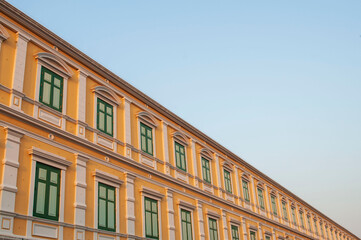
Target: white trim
<point>143,156</point>
<point>149,193</point>
<point>107,94</point>
<point>214,218</point>
<point>185,156</point>
<point>190,208</point>
<point>49,158</point>
<point>55,61</point>
<point>181,138</point>
<point>148,118</point>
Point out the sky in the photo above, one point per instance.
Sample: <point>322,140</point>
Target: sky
<point>276,82</point>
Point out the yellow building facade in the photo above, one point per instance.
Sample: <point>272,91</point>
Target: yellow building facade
<point>85,155</point>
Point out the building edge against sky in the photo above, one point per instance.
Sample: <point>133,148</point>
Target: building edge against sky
<point>88,156</point>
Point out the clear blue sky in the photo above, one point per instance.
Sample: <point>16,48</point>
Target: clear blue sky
<point>276,82</point>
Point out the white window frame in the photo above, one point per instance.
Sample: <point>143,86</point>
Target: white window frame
<point>188,207</point>
<point>155,195</point>
<point>50,61</point>
<point>217,217</point>
<point>110,180</point>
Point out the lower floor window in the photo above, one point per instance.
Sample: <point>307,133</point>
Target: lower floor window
<point>253,235</point>
<point>186,220</point>
<point>235,234</point>
<point>106,207</point>
<point>151,218</point>
<point>213,232</point>
<point>46,192</point>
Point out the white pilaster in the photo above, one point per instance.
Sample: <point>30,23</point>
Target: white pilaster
<point>238,189</point>
<point>253,189</point>
<point>200,221</point>
<point>269,210</point>
<point>10,167</point>
<point>219,183</point>
<point>260,234</point>
<point>170,211</point>
<point>127,128</point>
<point>194,158</point>
<point>80,195</point>
<point>8,187</point>
<point>225,226</point>
<point>244,229</point>
<point>19,71</point>
<point>81,104</point>
<point>165,147</point>
<point>130,200</point>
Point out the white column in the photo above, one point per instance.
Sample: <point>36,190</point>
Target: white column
<point>219,183</point>
<point>81,104</point>
<point>80,196</point>
<point>200,221</point>
<point>165,147</point>
<point>274,234</point>
<point>260,235</point>
<point>280,213</point>
<point>225,226</point>
<point>127,128</point>
<point>269,210</point>
<point>19,71</point>
<point>194,158</point>
<point>238,189</point>
<point>244,229</point>
<point>170,211</point>
<point>252,187</point>
<point>130,201</point>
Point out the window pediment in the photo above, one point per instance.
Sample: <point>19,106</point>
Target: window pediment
<point>54,61</point>
<point>181,138</point>
<point>148,118</point>
<point>107,93</point>
<point>206,154</point>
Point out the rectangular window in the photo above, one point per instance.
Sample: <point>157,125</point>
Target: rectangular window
<point>180,156</point>
<point>274,206</point>
<point>151,218</point>
<point>260,198</point>
<point>104,117</point>
<point>206,170</point>
<point>227,181</point>
<point>253,235</point>
<point>315,225</point>
<point>235,233</point>
<point>186,225</point>
<point>47,192</point>
<point>51,89</point>
<point>245,190</point>
<point>301,220</point>
<point>106,207</point>
<point>293,216</point>
<point>213,232</point>
<point>309,223</point>
<point>284,207</point>
<point>321,229</point>
<point>146,138</point>
<point>268,237</point>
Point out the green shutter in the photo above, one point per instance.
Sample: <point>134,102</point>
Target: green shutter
<point>309,223</point>
<point>206,170</point>
<point>51,89</point>
<point>301,220</point>
<point>293,215</point>
<point>235,233</point>
<point>146,138</point>
<point>227,181</point>
<point>106,207</point>
<point>186,222</point>
<point>180,156</point>
<point>151,218</point>
<point>245,191</point>
<point>274,206</point>
<point>213,232</point>
<point>105,117</point>
<point>284,207</point>
<point>47,192</point>
<point>260,198</point>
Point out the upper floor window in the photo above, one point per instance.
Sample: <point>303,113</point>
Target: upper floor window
<point>274,205</point>
<point>146,138</point>
<point>47,191</point>
<point>151,218</point>
<point>284,208</point>
<point>106,207</point>
<point>180,156</point>
<point>186,221</point>
<point>206,170</point>
<point>293,215</point>
<point>301,220</point>
<point>235,233</point>
<point>213,232</point>
<point>51,89</point>
<point>227,181</point>
<point>309,222</point>
<point>245,191</point>
<point>315,226</point>
<point>104,117</point>
<point>260,198</point>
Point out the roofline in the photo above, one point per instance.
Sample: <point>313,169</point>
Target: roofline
<point>29,23</point>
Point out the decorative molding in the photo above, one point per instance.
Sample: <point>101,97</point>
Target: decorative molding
<point>181,138</point>
<point>152,193</point>
<point>54,61</point>
<point>41,155</point>
<point>187,205</point>
<point>104,176</point>
<point>148,118</point>
<point>107,93</point>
